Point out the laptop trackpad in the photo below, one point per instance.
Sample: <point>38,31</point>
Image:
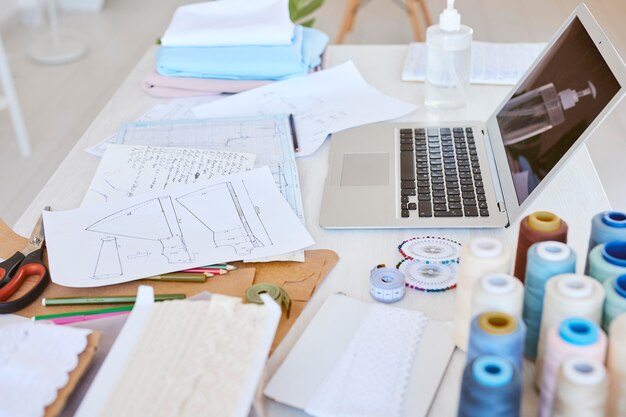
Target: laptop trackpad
<point>363,169</point>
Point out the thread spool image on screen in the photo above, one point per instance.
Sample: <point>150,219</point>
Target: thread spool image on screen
<point>554,105</point>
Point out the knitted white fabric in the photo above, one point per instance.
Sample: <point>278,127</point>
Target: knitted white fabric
<point>193,359</point>
<point>35,362</point>
<point>371,377</point>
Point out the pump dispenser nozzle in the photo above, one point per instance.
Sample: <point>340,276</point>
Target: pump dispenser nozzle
<point>450,19</point>
<point>570,97</point>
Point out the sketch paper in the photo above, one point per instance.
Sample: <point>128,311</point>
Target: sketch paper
<point>322,103</point>
<point>268,137</point>
<point>126,171</point>
<point>175,109</point>
<point>224,219</point>
<point>492,63</point>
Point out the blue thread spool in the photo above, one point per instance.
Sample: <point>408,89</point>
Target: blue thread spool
<point>545,260</point>
<point>608,260</point>
<point>615,303</point>
<point>606,227</point>
<point>491,387</point>
<point>497,333</point>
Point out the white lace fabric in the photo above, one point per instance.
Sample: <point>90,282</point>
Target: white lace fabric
<point>371,378</point>
<point>35,362</point>
<point>193,359</point>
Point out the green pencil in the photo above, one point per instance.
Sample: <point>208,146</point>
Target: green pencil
<point>179,278</point>
<point>83,313</point>
<point>121,299</point>
<point>227,267</point>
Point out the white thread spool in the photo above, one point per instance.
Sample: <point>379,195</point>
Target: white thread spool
<point>616,365</point>
<point>567,295</point>
<point>572,337</point>
<point>481,256</point>
<point>581,390</point>
<point>498,292</point>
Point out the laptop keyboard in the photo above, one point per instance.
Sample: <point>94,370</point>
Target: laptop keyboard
<point>440,174</point>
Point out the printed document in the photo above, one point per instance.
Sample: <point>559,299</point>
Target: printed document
<point>126,171</point>
<point>240,216</point>
<point>492,63</point>
<point>267,137</point>
<point>322,103</point>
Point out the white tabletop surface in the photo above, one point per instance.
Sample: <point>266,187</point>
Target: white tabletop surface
<point>576,194</point>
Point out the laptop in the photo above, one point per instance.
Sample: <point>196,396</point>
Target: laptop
<point>471,174</point>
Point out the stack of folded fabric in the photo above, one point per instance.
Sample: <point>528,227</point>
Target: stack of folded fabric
<point>229,46</point>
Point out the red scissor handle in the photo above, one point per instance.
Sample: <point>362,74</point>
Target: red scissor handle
<point>25,271</point>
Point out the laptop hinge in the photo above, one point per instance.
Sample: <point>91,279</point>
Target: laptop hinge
<point>494,174</point>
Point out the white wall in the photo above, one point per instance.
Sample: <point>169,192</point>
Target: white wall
<point>8,8</point>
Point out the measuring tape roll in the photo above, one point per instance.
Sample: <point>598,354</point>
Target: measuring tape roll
<point>386,284</point>
<point>428,277</point>
<point>253,295</point>
<point>431,250</point>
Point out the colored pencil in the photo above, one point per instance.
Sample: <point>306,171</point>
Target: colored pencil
<point>121,299</point>
<point>83,313</point>
<point>203,270</point>
<point>76,319</point>
<point>227,267</point>
<point>180,277</point>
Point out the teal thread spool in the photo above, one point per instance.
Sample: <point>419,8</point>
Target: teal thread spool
<point>606,227</point>
<point>615,303</point>
<point>491,386</point>
<point>608,260</point>
<point>545,260</point>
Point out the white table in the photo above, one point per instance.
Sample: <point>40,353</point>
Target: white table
<point>576,194</point>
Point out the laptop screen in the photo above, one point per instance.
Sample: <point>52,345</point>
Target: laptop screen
<point>554,105</point>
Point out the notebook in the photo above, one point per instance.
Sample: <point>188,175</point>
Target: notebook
<point>473,174</point>
<point>318,351</point>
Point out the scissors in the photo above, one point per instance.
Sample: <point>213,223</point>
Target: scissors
<point>23,264</point>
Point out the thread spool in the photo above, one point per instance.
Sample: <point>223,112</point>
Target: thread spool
<point>498,292</point>
<point>386,284</point>
<point>615,303</point>
<point>606,227</point>
<point>539,226</point>
<point>481,256</point>
<point>608,260</point>
<point>567,295</point>
<point>497,333</point>
<point>491,387</point>
<point>278,294</point>
<point>545,260</point>
<point>581,390</point>
<point>573,337</point>
<point>616,366</point>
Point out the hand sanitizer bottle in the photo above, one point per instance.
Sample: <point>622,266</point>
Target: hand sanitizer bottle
<point>448,62</point>
<point>537,111</point>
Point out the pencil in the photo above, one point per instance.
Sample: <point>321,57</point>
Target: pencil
<point>83,313</point>
<point>227,267</point>
<point>179,277</point>
<point>294,135</point>
<point>121,299</point>
<point>76,319</point>
<point>203,270</point>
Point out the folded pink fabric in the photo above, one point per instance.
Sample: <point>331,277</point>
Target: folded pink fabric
<point>168,87</point>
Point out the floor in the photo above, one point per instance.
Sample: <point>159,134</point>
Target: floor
<point>60,102</point>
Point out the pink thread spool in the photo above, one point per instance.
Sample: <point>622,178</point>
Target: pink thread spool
<point>573,337</point>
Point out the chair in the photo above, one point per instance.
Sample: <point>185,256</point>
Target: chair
<point>411,9</point>
<point>10,101</point>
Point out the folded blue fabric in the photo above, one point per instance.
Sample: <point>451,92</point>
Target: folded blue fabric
<point>245,62</point>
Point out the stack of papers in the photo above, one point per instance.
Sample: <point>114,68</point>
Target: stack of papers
<point>492,63</point>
